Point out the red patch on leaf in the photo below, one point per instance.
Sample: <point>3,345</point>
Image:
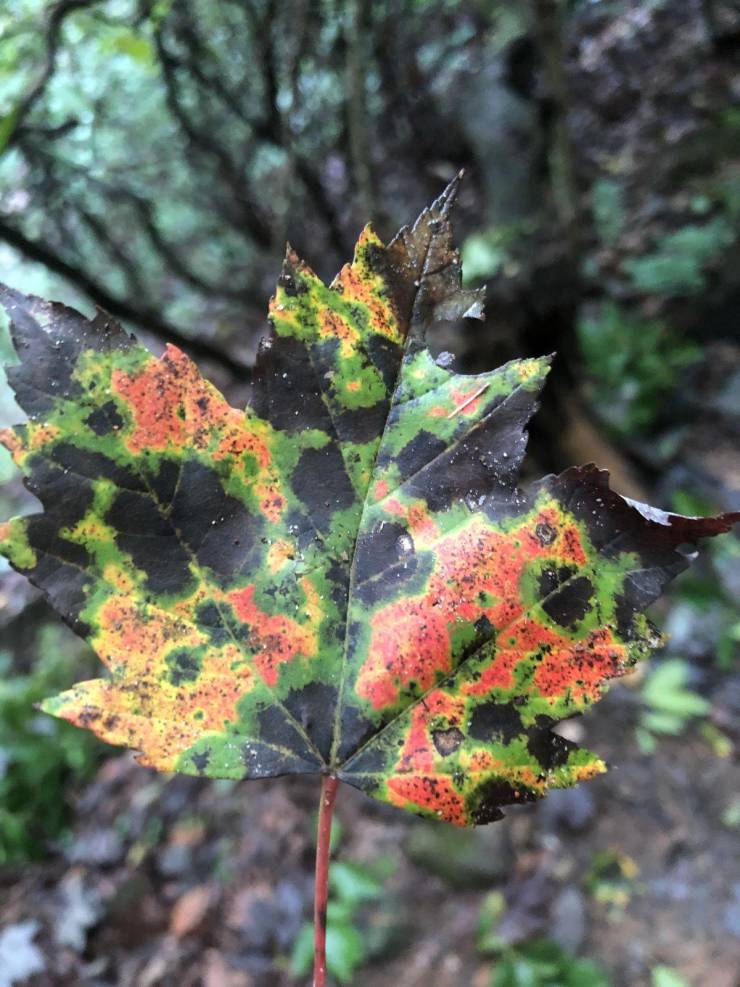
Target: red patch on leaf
<point>273,639</point>
<point>477,573</point>
<point>581,666</point>
<point>172,405</point>
<point>432,793</point>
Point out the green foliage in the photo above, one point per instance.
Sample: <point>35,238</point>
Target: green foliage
<point>40,759</point>
<point>494,251</point>
<point>727,192</point>
<point>607,204</point>
<point>540,963</point>
<point>669,704</point>
<point>7,126</point>
<point>487,938</point>
<point>633,364</point>
<point>663,976</point>
<point>731,814</point>
<point>351,938</point>
<point>545,964</point>
<point>676,266</point>
<point>611,879</point>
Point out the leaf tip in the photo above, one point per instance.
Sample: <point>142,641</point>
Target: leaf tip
<point>444,203</point>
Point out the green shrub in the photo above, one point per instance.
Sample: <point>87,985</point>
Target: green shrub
<point>633,365</point>
<point>545,964</point>
<point>676,266</point>
<point>40,758</point>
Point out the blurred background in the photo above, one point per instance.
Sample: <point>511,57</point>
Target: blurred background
<point>155,155</point>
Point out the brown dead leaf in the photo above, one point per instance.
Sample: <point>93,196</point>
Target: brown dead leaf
<point>190,910</point>
<point>217,972</point>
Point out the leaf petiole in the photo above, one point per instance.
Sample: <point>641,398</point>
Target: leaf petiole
<point>329,786</point>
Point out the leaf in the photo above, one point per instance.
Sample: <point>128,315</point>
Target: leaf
<point>545,964</point>
<point>667,694</point>
<point>8,122</point>
<point>353,884</point>
<point>663,976</point>
<point>345,577</point>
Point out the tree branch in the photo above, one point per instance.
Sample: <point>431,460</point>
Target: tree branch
<point>144,317</point>
<point>204,144</point>
<point>57,15</point>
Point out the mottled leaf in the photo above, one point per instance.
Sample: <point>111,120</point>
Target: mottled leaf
<point>345,578</point>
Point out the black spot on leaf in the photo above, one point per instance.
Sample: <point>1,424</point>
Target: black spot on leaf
<point>201,760</point>
<point>321,483</point>
<point>312,707</point>
<point>495,721</point>
<point>571,603</point>
<point>184,666</point>
<point>105,419</point>
<point>447,741</point>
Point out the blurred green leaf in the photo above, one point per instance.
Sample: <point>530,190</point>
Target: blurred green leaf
<point>663,976</point>
<point>482,257</point>
<point>487,939</point>
<point>40,759</point>
<point>669,704</point>
<point>545,964</point>
<point>137,46</point>
<point>665,691</point>
<point>676,266</point>
<point>731,814</point>
<point>7,127</point>
<point>632,364</point>
<point>353,884</point>
<point>355,932</point>
<point>301,962</point>
<point>344,951</point>
<point>607,203</point>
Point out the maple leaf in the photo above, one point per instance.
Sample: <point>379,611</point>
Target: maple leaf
<point>345,578</point>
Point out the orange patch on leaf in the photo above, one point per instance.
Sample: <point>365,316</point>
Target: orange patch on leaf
<point>172,405</point>
<point>224,681</point>
<point>440,710</point>
<point>357,283</point>
<point>420,521</point>
<point>409,643</point>
<point>581,666</point>
<point>273,639</point>
<point>467,401</point>
<point>517,643</point>
<point>477,573</point>
<point>417,515</point>
<point>134,639</point>
<point>40,435</point>
<point>279,553</point>
<point>381,489</point>
<point>431,793</point>
<point>331,325</point>
<point>13,443</point>
<point>272,502</point>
